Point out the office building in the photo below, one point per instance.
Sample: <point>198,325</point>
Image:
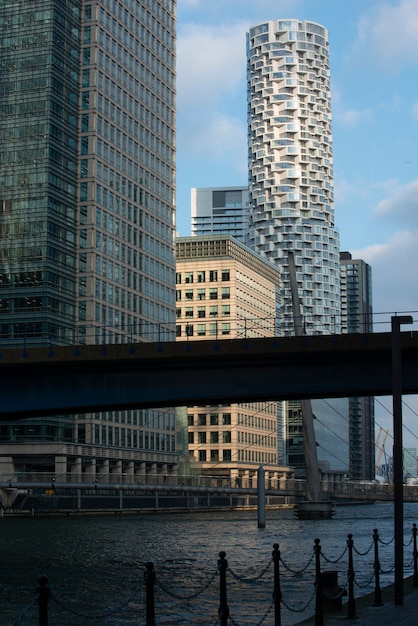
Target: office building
<point>225,291</point>
<point>290,166</point>
<point>87,183</point>
<point>357,317</point>
<point>220,210</point>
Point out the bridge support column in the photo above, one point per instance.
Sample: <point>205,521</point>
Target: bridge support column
<point>152,474</point>
<point>140,473</point>
<point>90,470</point>
<point>246,478</point>
<point>103,471</point>
<point>61,469</point>
<point>116,472</point>
<point>76,470</point>
<point>130,473</point>
<point>6,468</point>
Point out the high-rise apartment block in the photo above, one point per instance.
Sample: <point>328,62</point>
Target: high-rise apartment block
<point>290,165</point>
<point>291,197</point>
<point>225,291</point>
<point>357,317</point>
<point>220,210</point>
<point>87,183</point>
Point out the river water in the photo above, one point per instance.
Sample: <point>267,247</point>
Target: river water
<point>95,565</point>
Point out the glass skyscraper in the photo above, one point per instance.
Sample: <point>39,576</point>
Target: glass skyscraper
<point>87,185</point>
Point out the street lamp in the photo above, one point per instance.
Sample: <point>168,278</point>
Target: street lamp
<point>397,451</point>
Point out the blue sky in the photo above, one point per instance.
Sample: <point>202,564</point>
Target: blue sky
<point>374,70</point>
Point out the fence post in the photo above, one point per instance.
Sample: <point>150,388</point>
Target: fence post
<point>376,565</point>
<point>223,611</point>
<point>44,593</point>
<point>149,579</point>
<point>277,594</point>
<point>415,555</point>
<point>319,614</point>
<point>351,604</point>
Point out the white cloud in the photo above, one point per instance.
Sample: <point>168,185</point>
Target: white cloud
<point>222,138</point>
<point>415,110</point>
<point>394,275</point>
<point>392,33</point>
<point>402,205</point>
<point>353,117</point>
<point>209,63</point>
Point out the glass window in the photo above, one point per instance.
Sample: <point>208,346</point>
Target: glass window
<point>188,277</point>
<point>226,437</point>
<point>201,419</point>
<point>200,277</point>
<point>225,293</point>
<point>227,455</point>
<point>225,275</point>
<point>201,330</point>
<point>213,276</point>
<point>214,419</point>
<point>213,294</point>
<point>189,311</point>
<point>201,437</point>
<point>214,437</point>
<point>202,456</point>
<point>226,419</point>
<point>213,311</point>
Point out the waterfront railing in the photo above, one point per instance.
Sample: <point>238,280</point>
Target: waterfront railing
<point>362,568</point>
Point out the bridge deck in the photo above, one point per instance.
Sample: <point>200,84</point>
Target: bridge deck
<point>74,379</point>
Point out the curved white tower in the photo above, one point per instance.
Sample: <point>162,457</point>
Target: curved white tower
<point>290,165</point>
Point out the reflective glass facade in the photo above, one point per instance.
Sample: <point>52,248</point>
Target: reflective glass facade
<point>87,213</point>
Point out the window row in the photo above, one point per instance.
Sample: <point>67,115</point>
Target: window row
<point>214,419</point>
<point>201,276</point>
<point>127,438</point>
<point>202,294</point>
<point>201,330</point>
<point>202,312</point>
<point>213,456</point>
<point>212,437</point>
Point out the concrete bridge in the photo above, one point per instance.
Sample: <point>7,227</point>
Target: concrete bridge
<point>74,379</point>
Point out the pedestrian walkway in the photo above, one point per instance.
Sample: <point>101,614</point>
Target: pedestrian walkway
<point>387,615</point>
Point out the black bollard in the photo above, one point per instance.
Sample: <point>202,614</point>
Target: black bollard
<point>351,604</point>
<point>376,566</point>
<point>415,555</point>
<point>44,594</point>
<point>223,611</point>
<point>319,614</point>
<point>149,579</point>
<point>277,594</point>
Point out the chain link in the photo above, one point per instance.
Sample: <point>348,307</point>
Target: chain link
<point>251,580</point>
<point>333,560</point>
<point>25,611</point>
<point>360,586</point>
<point>289,608</point>
<point>301,571</point>
<point>363,553</point>
<point>197,593</point>
<point>386,543</point>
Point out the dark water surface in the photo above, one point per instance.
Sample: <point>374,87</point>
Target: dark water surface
<point>95,565</point>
